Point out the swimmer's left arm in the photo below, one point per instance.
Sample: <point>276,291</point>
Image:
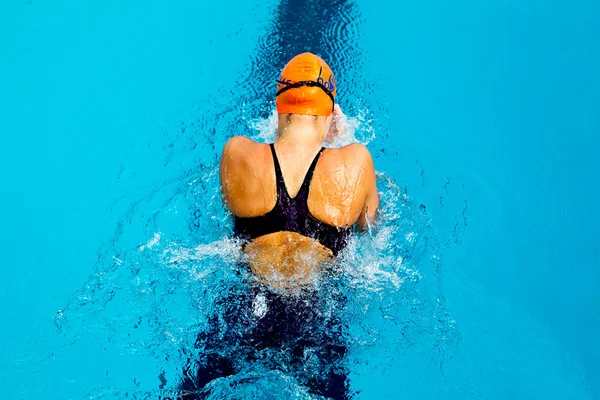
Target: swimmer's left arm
<point>369,211</point>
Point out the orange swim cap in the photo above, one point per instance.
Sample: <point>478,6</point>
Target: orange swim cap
<point>306,86</point>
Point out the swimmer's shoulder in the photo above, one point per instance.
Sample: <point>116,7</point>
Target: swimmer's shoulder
<point>357,151</point>
<point>352,156</point>
<point>241,146</point>
<point>246,177</point>
<point>341,185</point>
<point>241,150</point>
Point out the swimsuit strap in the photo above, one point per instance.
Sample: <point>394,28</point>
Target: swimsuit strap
<point>303,192</point>
<point>281,188</point>
<point>278,175</point>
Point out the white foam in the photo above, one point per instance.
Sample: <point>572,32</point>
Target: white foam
<point>259,306</point>
<point>351,127</point>
<point>152,242</point>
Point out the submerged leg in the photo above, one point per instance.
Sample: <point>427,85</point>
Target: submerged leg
<point>211,367</point>
<point>215,344</point>
<point>330,379</point>
<point>320,351</point>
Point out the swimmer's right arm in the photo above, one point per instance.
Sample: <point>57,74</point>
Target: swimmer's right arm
<point>233,152</point>
<point>369,211</point>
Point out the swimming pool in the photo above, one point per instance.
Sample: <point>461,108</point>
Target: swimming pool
<point>482,281</point>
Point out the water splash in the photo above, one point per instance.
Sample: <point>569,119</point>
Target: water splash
<point>152,298</point>
<point>358,129</point>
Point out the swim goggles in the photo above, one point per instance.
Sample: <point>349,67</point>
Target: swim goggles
<point>295,85</point>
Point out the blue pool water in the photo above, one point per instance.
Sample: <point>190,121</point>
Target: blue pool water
<point>482,280</point>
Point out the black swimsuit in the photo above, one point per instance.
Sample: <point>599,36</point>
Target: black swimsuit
<point>307,336</point>
<point>292,215</point>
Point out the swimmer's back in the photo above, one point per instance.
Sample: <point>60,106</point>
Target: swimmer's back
<point>342,191</point>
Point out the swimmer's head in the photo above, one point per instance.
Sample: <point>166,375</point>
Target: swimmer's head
<point>306,86</point>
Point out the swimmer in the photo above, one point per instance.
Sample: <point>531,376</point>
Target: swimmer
<point>294,204</point>
<point>294,201</point>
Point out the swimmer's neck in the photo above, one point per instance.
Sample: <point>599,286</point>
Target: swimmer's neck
<point>303,130</point>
